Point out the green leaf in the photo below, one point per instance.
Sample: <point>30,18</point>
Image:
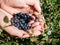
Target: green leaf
<point>6,19</point>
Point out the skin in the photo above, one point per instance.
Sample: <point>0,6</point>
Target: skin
<point>21,6</point>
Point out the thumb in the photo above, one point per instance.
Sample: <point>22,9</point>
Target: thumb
<point>4,14</point>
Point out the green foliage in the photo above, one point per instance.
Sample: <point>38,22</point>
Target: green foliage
<point>51,36</point>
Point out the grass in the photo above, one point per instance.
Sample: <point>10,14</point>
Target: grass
<point>51,36</point>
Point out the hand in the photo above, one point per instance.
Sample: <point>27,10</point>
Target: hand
<point>11,29</point>
<point>38,27</point>
<point>28,4</point>
<point>24,3</point>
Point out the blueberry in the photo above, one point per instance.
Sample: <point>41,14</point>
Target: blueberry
<point>36,20</point>
<point>21,20</point>
<point>28,27</point>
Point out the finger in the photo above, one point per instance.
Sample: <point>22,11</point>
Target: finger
<point>9,9</point>
<point>37,33</point>
<point>25,35</point>
<point>37,15</point>
<point>12,30</point>
<point>29,31</point>
<point>4,14</point>
<point>37,28</point>
<point>33,17</point>
<point>42,24</point>
<point>16,3</point>
<point>37,6</point>
<point>42,27</point>
<point>13,11</point>
<point>31,22</point>
<point>35,24</point>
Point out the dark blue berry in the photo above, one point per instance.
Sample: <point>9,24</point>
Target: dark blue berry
<point>21,20</point>
<point>36,20</point>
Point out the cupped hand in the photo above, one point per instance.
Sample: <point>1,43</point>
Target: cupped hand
<point>9,28</point>
<point>12,30</point>
<point>15,6</point>
<point>28,4</point>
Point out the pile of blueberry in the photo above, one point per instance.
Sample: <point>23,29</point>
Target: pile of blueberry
<point>21,20</point>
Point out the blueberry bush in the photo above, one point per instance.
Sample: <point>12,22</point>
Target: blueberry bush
<point>51,36</point>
